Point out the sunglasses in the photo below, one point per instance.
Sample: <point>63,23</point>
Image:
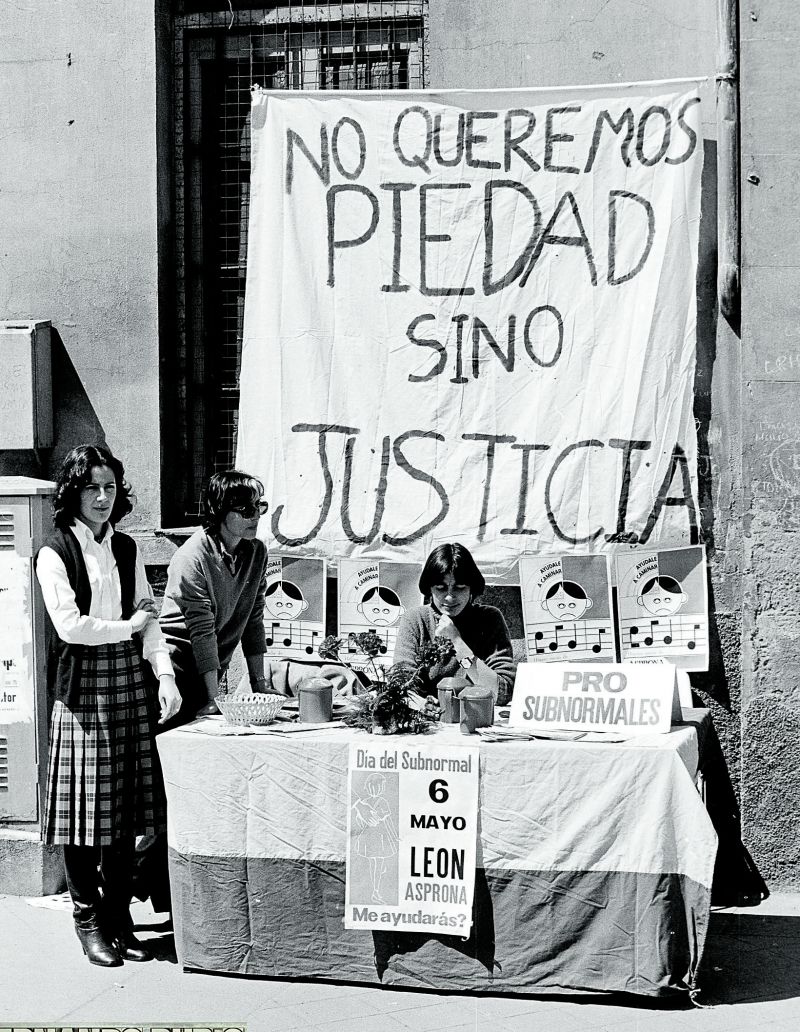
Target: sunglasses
<point>254,509</point>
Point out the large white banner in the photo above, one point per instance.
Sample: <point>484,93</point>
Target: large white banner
<point>471,316</point>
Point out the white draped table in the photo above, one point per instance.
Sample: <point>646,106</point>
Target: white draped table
<point>594,864</point>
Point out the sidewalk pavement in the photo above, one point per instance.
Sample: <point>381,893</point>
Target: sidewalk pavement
<point>750,979</point>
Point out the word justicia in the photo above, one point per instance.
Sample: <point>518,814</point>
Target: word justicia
<point>509,463</point>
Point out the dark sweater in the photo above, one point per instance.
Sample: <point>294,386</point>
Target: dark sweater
<point>484,630</point>
<point>207,609</point>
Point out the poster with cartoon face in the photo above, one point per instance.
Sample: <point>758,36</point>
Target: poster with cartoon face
<point>663,605</point>
<point>567,609</point>
<point>372,597</point>
<point>294,606</point>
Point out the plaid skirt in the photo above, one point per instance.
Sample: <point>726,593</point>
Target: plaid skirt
<point>103,776</point>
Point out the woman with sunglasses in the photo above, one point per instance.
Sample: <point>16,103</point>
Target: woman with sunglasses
<point>214,597</point>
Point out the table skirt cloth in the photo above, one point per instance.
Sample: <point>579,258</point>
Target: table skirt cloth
<point>594,865</point>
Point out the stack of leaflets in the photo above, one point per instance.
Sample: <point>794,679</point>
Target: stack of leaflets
<point>521,734</point>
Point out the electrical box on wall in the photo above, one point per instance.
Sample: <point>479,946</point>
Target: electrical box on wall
<point>25,520</point>
<point>26,415</point>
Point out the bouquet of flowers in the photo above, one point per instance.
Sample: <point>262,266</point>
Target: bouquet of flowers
<point>390,703</point>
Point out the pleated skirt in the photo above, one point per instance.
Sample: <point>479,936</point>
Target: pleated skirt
<point>103,778</point>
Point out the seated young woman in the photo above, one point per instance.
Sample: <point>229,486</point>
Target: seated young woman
<point>451,583</point>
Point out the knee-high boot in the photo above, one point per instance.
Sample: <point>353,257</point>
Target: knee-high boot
<point>116,871</point>
<point>80,867</point>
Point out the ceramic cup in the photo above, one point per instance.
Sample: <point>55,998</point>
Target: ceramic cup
<point>476,708</point>
<point>315,700</point>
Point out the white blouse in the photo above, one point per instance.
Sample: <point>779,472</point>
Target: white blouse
<point>104,624</point>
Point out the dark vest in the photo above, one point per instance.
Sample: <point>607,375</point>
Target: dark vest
<point>65,661</point>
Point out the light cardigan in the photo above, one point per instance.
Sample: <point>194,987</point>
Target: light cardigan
<point>103,625</point>
<point>208,609</point>
<point>483,629</point>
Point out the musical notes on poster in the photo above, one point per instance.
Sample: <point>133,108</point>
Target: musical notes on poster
<point>372,597</point>
<point>298,637</point>
<point>576,638</point>
<point>294,606</point>
<point>678,632</point>
<point>566,604</point>
<point>663,606</point>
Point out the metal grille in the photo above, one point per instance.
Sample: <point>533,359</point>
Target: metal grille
<point>219,52</point>
<point>7,531</point>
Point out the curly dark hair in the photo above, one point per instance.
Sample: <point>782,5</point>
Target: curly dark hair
<point>76,473</point>
<point>227,491</point>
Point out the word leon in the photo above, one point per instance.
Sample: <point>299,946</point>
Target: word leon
<point>433,862</point>
<point>446,868</point>
<point>611,461</point>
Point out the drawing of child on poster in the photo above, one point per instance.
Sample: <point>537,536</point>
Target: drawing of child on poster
<point>376,836</point>
<point>381,606</point>
<point>372,597</point>
<point>566,599</point>
<point>663,606</point>
<point>661,596</point>
<point>284,600</point>
<point>566,602</point>
<point>294,606</point>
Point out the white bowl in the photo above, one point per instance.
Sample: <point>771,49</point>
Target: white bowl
<point>255,708</point>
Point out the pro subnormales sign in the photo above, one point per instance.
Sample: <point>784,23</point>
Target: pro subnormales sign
<point>627,698</point>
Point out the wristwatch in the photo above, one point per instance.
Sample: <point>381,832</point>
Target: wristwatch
<point>467,661</point>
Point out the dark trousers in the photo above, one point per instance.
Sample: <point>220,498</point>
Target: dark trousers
<point>151,869</point>
<point>151,877</point>
<point>91,870</point>
<point>151,874</point>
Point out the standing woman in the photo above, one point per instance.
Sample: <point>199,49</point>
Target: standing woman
<point>214,598</point>
<point>103,783</point>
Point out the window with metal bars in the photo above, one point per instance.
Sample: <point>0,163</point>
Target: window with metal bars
<point>219,51</point>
